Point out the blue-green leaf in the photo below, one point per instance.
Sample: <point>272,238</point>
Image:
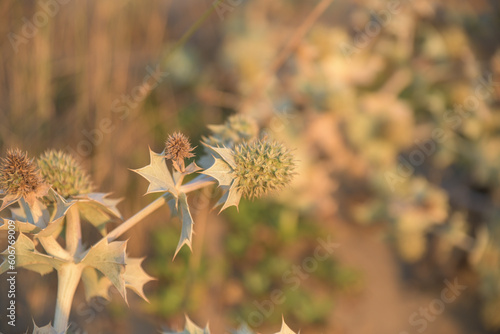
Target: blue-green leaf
<point>158,175</point>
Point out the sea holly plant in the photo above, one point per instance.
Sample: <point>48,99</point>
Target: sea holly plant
<point>50,218</point>
<point>50,198</point>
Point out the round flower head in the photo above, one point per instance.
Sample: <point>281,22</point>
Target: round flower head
<point>178,148</point>
<point>261,167</point>
<point>19,177</point>
<point>64,174</point>
<point>236,129</point>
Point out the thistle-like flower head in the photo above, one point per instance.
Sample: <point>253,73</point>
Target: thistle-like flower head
<point>20,177</point>
<point>64,173</point>
<point>178,148</point>
<point>261,167</point>
<point>237,129</point>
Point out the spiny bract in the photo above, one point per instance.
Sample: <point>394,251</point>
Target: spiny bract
<point>64,173</point>
<point>20,177</point>
<point>237,129</point>
<point>262,166</point>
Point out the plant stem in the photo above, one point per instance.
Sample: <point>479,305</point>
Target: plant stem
<point>68,277</point>
<point>197,183</point>
<point>129,223</point>
<point>53,248</point>
<point>73,230</point>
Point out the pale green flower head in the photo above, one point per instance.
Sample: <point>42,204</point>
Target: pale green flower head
<point>250,169</point>
<point>64,173</point>
<point>261,167</point>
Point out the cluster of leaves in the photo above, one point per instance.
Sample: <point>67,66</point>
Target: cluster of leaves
<point>250,169</point>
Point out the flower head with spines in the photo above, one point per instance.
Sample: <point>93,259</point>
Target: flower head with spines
<point>178,148</point>
<point>251,169</point>
<point>261,167</point>
<point>20,178</point>
<point>64,173</point>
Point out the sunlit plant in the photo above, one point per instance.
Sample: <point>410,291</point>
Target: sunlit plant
<point>49,198</point>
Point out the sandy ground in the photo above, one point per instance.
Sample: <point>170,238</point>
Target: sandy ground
<point>386,303</point>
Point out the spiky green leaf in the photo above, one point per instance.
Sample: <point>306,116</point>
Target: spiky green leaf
<point>107,204</point>
<point>48,329</point>
<point>98,210</point>
<point>61,207</point>
<point>8,200</point>
<point>192,168</point>
<point>19,226</point>
<point>95,283</point>
<point>285,329</point>
<point>221,171</point>
<point>28,257</point>
<point>187,223</point>
<point>232,197</point>
<point>225,153</point>
<point>158,175</point>
<point>109,259</point>
<point>37,218</point>
<point>135,277</point>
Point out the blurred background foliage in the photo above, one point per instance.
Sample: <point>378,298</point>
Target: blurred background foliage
<point>398,152</point>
